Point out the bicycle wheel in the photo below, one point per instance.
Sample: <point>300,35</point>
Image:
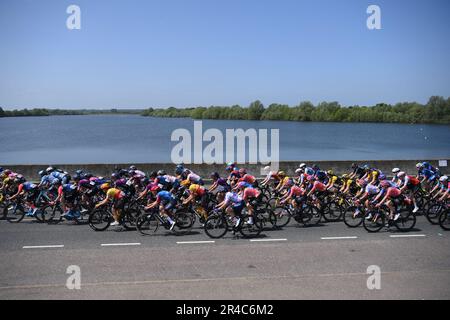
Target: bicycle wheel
<point>147,224</point>
<point>374,221</point>
<point>352,217</point>
<point>333,212</point>
<point>129,218</point>
<point>14,213</point>
<point>444,220</point>
<point>100,219</point>
<point>433,213</point>
<point>283,216</point>
<point>216,226</point>
<point>250,230</point>
<point>406,221</point>
<point>184,220</point>
<point>53,214</point>
<point>43,214</point>
<point>309,216</point>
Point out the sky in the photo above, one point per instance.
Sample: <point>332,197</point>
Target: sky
<point>184,53</point>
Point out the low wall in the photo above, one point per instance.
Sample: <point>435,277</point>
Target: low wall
<point>339,167</point>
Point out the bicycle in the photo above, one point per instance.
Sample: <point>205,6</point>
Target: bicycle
<point>444,219</point>
<point>375,219</point>
<point>101,218</point>
<point>149,222</point>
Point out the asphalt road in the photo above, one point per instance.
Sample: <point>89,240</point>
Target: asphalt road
<point>324,262</point>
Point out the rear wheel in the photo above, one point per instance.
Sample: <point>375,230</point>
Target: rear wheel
<point>250,230</point>
<point>406,221</point>
<point>147,224</point>
<point>100,219</point>
<point>374,221</point>
<point>333,212</point>
<point>216,226</point>
<point>184,220</point>
<point>14,213</point>
<point>309,216</point>
<point>352,217</point>
<point>433,213</point>
<point>54,213</point>
<point>283,216</point>
<point>444,220</point>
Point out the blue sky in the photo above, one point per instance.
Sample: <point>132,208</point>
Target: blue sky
<point>134,54</point>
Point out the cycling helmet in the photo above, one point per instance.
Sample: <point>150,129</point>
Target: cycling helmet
<point>289,183</point>
<point>395,170</point>
<point>132,168</point>
<point>161,173</point>
<point>298,171</point>
<point>419,165</point>
<point>41,173</point>
<point>366,167</point>
<point>87,175</point>
<point>401,174</point>
<point>231,163</point>
<point>315,167</point>
<point>179,170</point>
<point>385,184</point>
<point>20,179</point>
<point>105,186</point>
<point>185,183</point>
<point>354,166</point>
<point>242,171</point>
<point>56,182</point>
<point>153,174</point>
<point>443,179</point>
<point>114,176</point>
<point>302,165</point>
<point>131,172</point>
<point>267,168</point>
<point>229,168</point>
<point>330,172</point>
<point>79,172</point>
<point>382,177</point>
<point>84,183</point>
<point>7,172</point>
<point>282,173</point>
<point>215,175</point>
<point>345,176</point>
<point>49,169</point>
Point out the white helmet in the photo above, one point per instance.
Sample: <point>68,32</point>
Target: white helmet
<point>267,168</point>
<point>419,165</point>
<point>401,174</point>
<point>298,171</point>
<point>443,179</point>
<point>49,169</point>
<point>302,165</point>
<point>395,170</point>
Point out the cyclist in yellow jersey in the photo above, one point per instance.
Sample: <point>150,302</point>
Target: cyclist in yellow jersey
<point>117,197</point>
<point>348,183</point>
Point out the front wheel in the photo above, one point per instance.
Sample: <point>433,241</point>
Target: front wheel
<point>250,230</point>
<point>374,221</point>
<point>147,224</point>
<point>100,219</point>
<point>353,217</point>
<point>444,220</point>
<point>14,213</point>
<point>433,213</point>
<point>216,226</point>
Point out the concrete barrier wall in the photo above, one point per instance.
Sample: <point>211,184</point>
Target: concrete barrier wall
<point>339,167</point>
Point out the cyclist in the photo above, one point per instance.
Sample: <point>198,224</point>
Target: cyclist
<point>410,185</point>
<point>29,189</point>
<point>332,180</point>
<point>233,205</point>
<point>219,184</point>
<point>295,194</point>
<point>251,197</point>
<point>67,195</point>
<point>196,193</point>
<point>391,194</point>
<point>117,197</point>
<point>166,202</point>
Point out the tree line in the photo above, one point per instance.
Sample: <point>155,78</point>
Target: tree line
<point>437,110</point>
<point>42,112</point>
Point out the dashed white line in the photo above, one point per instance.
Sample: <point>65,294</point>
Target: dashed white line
<point>267,240</point>
<point>407,236</point>
<point>194,242</point>
<point>338,238</point>
<point>120,244</point>
<point>43,247</point>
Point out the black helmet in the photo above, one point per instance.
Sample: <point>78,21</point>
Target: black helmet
<point>215,175</point>
<point>41,173</point>
<point>153,174</point>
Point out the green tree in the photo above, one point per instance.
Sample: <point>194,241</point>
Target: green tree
<point>255,110</point>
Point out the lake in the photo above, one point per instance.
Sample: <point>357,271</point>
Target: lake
<point>136,139</point>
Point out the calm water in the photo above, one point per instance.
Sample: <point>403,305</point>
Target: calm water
<point>130,138</point>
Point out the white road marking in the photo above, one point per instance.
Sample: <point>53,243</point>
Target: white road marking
<point>43,247</point>
<point>194,242</point>
<point>407,235</point>
<point>266,240</point>
<point>338,238</point>
<point>120,244</point>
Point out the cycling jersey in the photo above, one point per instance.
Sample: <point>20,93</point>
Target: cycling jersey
<point>393,192</point>
<point>165,197</point>
<point>115,194</point>
<point>296,191</point>
<point>250,193</point>
<point>232,197</point>
<point>318,186</point>
<point>372,190</point>
<point>27,187</point>
<point>197,190</point>
<point>411,180</point>
<point>67,188</point>
<point>249,179</point>
<point>48,179</point>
